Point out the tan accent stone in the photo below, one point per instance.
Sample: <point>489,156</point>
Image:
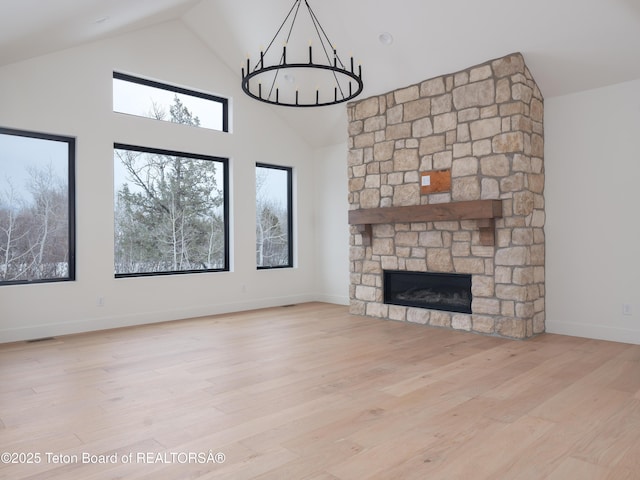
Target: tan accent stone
<point>508,65</point>
<point>503,275</point>
<point>373,181</point>
<point>412,177</point>
<point>397,313</point>
<point>440,319</point>
<point>439,260</point>
<point>355,128</point>
<point>512,256</point>
<point>481,148</point>
<point>463,134</point>
<point>364,140</point>
<point>490,189</point>
<point>432,144</point>
<point>482,251</point>
<point>418,315</point>
<point>503,90</point>
<point>512,183</point>
<point>406,159</point>
<point>487,306</point>
<point>356,184</point>
<point>523,275</point>
<point>407,239</point>
<point>395,132</point>
<point>422,128</point>
<point>468,265</point>
<point>465,188</point>
<point>356,253</point>
<point>442,160</point>
<point>431,239</point>
<point>511,292</point>
<point>521,163</point>
<point>463,167</point>
<point>383,151</point>
<point>460,249</point>
<point>432,87</point>
<point>538,219</point>
<point>416,265</point>
<point>377,310</point>
<point>537,145</point>
<point>476,94</point>
<point>482,324</point>
<point>480,73</point>
<point>375,123</point>
<point>495,166</point>
<point>365,293</point>
<point>395,178</point>
<point>511,327</point>
<point>522,236</point>
<point>536,182</point>
<point>461,78</point>
<point>444,122</point>
<point>407,94</point>
<point>538,323</point>
<point>507,308</point>
<point>357,307</point>
<point>417,109</point>
<point>370,198</point>
<point>508,142</point>
<point>404,195</point>
<point>461,322</point>
<point>538,274</point>
<point>483,286</point>
<point>485,128</point>
<point>355,157</point>
<point>394,115</point>
<point>522,203</point>
<point>521,92</point>
<point>468,115</point>
<point>389,262</point>
<point>461,150</point>
<point>537,255</point>
<point>441,104</point>
<point>367,108</point>
<point>383,246</point>
<point>536,110</point>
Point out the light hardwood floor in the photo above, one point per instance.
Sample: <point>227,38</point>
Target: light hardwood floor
<point>310,392</point>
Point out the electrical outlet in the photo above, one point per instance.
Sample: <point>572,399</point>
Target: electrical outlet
<point>626,309</point>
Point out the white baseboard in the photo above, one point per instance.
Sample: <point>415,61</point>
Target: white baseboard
<point>598,332</point>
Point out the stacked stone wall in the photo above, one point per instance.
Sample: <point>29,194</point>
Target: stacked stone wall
<point>485,124</point>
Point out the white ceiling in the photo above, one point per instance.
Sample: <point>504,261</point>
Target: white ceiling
<point>569,45</point>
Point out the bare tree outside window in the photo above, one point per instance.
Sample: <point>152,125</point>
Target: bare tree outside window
<point>170,207</point>
<point>274,244</point>
<point>36,207</point>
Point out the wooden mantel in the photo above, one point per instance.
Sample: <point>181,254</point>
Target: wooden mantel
<point>484,211</point>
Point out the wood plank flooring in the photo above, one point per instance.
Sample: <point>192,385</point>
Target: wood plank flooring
<point>309,392</point>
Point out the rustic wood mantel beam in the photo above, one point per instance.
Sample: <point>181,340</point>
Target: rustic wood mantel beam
<point>485,211</point>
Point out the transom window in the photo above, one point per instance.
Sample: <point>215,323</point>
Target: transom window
<point>161,101</point>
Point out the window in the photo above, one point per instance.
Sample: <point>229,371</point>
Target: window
<point>274,198</point>
<point>37,207</point>
<point>171,212</point>
<point>147,98</point>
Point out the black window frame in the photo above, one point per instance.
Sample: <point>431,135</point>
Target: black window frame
<point>71,200</point>
<point>184,91</point>
<point>225,207</point>
<point>290,206</point>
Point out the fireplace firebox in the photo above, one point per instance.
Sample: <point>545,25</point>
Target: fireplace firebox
<point>450,292</point>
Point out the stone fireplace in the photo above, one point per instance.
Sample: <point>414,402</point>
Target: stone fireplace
<point>447,177</point>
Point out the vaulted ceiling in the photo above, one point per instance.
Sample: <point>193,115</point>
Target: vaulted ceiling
<point>569,45</point>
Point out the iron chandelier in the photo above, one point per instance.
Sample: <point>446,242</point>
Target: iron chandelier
<point>281,82</point>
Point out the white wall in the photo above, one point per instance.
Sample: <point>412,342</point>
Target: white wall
<point>69,93</point>
<point>592,190</point>
<point>332,228</point>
